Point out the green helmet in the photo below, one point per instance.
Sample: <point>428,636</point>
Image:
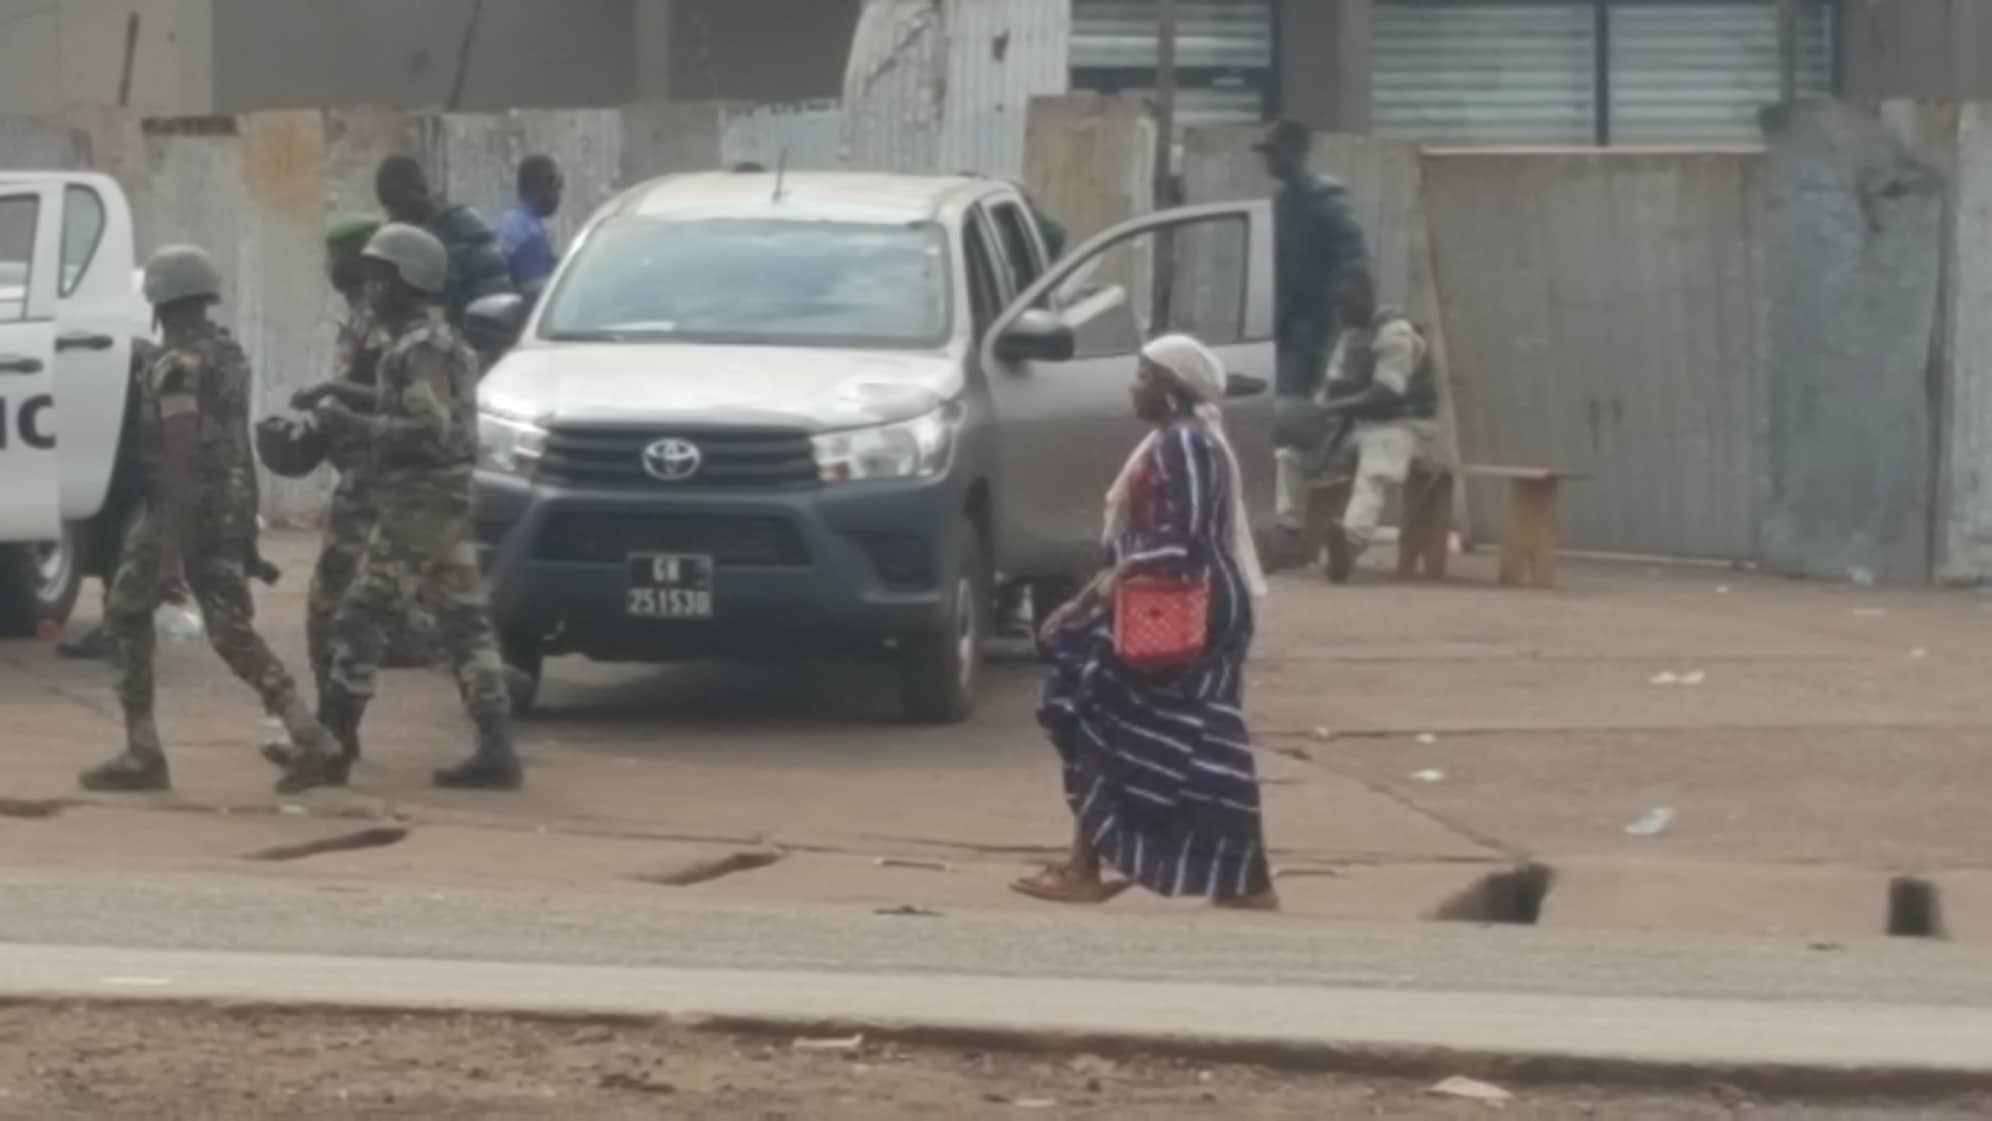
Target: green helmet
<point>420,260</point>
<point>351,231</point>
<point>181,272</point>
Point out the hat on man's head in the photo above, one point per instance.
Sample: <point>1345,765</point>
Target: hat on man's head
<point>1286,136</point>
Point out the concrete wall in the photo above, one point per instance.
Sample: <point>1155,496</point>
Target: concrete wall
<point>276,54</point>
<point>56,55</point>
<point>749,50</point>
<point>1929,49</point>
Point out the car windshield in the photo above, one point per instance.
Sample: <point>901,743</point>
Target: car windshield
<point>755,281</point>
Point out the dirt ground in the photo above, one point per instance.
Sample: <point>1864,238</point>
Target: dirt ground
<point>167,1063</point>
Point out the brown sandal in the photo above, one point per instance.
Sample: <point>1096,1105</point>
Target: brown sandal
<point>1056,883</point>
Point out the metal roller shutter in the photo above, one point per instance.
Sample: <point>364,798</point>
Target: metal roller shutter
<point>1224,54</point>
<point>1486,73</point>
<point>1697,73</point>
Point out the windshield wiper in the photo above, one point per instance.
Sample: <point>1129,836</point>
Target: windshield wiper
<point>601,335</point>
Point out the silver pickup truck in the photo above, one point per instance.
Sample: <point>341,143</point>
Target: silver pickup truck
<point>760,416</point>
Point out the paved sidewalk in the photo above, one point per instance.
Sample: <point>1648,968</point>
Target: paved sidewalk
<point>1414,740</point>
<point>1644,1031</point>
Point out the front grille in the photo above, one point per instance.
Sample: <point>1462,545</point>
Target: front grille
<point>731,457</point>
<point>584,537</point>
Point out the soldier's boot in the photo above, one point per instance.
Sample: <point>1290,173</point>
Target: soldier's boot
<point>493,766</point>
<point>140,767</point>
<point>313,757</point>
<point>93,645</point>
<point>339,714</point>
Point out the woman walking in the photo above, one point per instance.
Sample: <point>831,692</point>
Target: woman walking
<point>1158,765</point>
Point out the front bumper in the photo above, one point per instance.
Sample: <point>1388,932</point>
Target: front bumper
<point>798,570</point>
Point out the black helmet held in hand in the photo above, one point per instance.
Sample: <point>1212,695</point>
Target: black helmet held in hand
<point>290,447</point>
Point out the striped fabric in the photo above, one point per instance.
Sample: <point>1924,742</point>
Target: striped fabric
<point>1158,766</point>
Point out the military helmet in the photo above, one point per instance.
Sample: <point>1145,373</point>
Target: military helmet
<point>290,447</point>
<point>181,272</point>
<point>418,258</point>
<point>351,231</point>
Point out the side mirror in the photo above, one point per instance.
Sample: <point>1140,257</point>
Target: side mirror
<point>494,322</point>
<point>1036,335</point>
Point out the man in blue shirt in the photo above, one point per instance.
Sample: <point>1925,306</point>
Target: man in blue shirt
<point>522,232</point>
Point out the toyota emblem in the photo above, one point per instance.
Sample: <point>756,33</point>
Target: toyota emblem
<point>672,460</point>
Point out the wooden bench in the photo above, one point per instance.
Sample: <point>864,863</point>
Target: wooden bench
<point>1424,540</point>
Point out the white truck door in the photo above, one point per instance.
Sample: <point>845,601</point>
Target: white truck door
<point>1066,424</point>
<point>30,236</point>
<point>93,312</point>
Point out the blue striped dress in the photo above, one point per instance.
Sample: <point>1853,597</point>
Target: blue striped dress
<point>1158,767</point>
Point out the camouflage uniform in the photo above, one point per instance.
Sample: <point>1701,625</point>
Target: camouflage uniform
<point>423,435</point>
<point>349,521</point>
<point>202,371</point>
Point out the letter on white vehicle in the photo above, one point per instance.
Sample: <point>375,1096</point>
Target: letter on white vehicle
<point>30,239</point>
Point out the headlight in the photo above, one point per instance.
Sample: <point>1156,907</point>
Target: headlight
<point>508,446</point>
<point>910,449</point>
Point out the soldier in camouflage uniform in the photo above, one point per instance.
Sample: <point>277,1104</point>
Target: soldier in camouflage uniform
<point>349,518</point>
<point>197,529</point>
<point>423,432</point>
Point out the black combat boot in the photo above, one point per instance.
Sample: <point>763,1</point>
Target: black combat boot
<point>93,645</point>
<point>133,771</point>
<point>140,767</point>
<point>493,766</point>
<point>339,713</point>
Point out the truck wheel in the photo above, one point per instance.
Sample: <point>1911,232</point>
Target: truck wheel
<point>524,660</point>
<point>940,671</point>
<point>38,584</point>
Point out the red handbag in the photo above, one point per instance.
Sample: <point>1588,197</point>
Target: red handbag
<point>1159,623</point>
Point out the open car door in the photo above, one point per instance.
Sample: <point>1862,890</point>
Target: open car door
<point>1060,362</point>
<point>30,488</point>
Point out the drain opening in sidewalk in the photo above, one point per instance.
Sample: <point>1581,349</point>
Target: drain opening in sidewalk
<point>1915,908</point>
<point>379,837</point>
<point>705,871</point>
<point>1514,896</point>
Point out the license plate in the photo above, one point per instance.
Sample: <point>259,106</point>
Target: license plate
<point>669,586</point>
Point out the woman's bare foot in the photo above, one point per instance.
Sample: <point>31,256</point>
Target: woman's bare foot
<point>1061,883</point>
<point>1267,900</point>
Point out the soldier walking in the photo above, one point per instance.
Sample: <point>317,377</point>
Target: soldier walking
<point>350,517</point>
<point>197,530</point>
<point>423,432</point>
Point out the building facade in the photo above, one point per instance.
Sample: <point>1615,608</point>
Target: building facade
<point>1532,72</point>
<point>1449,72</point>
<point>201,57</point>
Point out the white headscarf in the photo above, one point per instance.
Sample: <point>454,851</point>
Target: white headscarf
<point>1201,374</point>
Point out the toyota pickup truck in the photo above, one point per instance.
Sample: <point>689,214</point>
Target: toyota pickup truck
<point>760,416</point>
<point>71,321</point>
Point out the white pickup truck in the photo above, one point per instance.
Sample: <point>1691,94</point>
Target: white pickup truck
<point>70,319</point>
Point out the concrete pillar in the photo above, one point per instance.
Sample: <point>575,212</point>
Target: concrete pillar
<point>652,27</point>
<point>1326,48</point>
